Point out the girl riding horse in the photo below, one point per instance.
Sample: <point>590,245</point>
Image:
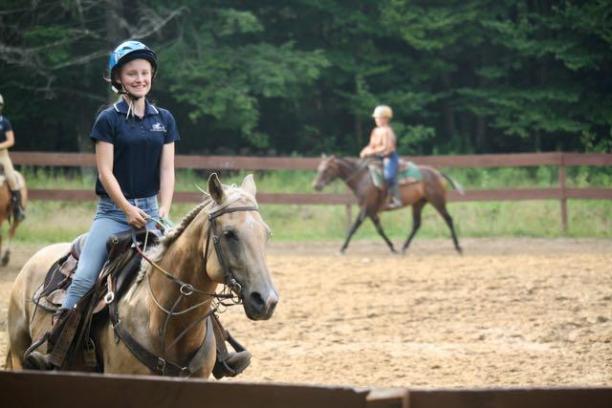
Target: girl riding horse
<point>135,160</point>
<point>7,140</point>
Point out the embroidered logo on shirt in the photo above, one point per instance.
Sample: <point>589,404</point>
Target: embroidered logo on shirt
<point>158,127</point>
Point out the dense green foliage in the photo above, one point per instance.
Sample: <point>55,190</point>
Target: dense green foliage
<point>301,77</point>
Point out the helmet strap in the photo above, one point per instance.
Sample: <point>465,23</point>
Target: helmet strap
<point>130,100</point>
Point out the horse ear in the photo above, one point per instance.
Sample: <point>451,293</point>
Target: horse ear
<point>248,185</point>
<point>215,189</point>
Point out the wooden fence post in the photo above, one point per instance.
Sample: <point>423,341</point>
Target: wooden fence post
<point>562,187</point>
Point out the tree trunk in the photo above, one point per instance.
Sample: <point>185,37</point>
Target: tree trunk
<point>357,122</point>
<point>448,112</point>
<point>115,14</point>
<point>481,136</point>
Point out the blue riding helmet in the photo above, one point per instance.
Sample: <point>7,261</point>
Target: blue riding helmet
<point>126,52</point>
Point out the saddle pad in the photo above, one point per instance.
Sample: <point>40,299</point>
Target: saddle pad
<point>407,173</point>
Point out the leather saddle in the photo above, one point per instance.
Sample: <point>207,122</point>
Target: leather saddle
<point>121,268</point>
<point>123,261</point>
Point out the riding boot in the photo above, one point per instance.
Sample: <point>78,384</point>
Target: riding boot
<point>228,364</point>
<point>17,206</point>
<point>395,199</point>
<point>59,340</point>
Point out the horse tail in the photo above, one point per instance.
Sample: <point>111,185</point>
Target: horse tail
<point>454,183</point>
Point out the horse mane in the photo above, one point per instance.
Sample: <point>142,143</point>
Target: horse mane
<point>351,160</point>
<point>176,232</point>
<point>352,164</point>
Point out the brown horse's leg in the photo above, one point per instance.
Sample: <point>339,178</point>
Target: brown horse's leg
<point>360,217</point>
<point>441,208</point>
<point>376,220</point>
<point>7,252</point>
<point>417,208</point>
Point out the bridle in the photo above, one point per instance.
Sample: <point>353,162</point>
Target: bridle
<point>187,289</point>
<point>230,279</point>
<point>230,296</point>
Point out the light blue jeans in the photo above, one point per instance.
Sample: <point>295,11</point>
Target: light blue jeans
<point>109,220</point>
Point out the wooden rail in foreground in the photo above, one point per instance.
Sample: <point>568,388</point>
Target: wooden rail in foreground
<point>68,390</point>
<point>558,159</point>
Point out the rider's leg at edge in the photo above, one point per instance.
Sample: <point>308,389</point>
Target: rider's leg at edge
<point>390,173</point>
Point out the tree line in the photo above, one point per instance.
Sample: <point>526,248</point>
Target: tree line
<point>302,77</point>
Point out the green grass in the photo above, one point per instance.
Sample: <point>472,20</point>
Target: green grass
<point>62,221</point>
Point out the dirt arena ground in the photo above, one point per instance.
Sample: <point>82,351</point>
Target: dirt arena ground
<point>508,312</point>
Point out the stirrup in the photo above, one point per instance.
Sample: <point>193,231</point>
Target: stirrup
<point>18,214</point>
<point>16,208</point>
<point>228,364</point>
<point>394,202</point>
<point>36,360</point>
<point>232,365</point>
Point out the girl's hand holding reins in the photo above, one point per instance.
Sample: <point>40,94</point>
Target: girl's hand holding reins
<point>136,217</point>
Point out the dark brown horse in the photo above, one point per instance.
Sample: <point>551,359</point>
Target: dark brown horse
<point>372,200</point>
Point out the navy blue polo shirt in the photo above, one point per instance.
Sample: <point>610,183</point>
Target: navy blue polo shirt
<point>137,146</point>
<point>5,126</point>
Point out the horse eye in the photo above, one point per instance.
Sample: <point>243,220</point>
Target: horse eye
<point>229,234</point>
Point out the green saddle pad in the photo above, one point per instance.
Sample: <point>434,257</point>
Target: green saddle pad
<point>407,173</point>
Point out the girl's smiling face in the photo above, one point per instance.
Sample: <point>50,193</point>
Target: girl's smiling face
<point>135,76</point>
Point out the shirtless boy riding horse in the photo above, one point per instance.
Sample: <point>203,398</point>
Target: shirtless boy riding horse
<point>383,144</point>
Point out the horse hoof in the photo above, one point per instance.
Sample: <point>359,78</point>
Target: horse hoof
<point>5,260</point>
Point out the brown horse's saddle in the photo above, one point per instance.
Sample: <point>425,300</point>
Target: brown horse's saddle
<point>122,261</point>
<point>407,173</point>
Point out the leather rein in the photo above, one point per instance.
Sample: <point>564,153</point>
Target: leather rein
<point>158,364</point>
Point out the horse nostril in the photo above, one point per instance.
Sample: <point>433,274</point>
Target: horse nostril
<point>257,300</point>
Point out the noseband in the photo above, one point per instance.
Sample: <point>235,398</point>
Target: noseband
<point>213,232</point>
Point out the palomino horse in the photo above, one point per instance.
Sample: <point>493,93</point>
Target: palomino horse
<point>6,213</point>
<point>372,200</point>
<point>221,241</point>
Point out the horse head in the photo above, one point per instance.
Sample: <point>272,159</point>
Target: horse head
<point>238,241</point>
<point>327,171</point>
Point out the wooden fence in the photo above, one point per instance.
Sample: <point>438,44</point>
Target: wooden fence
<point>561,160</point>
<point>68,390</point>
